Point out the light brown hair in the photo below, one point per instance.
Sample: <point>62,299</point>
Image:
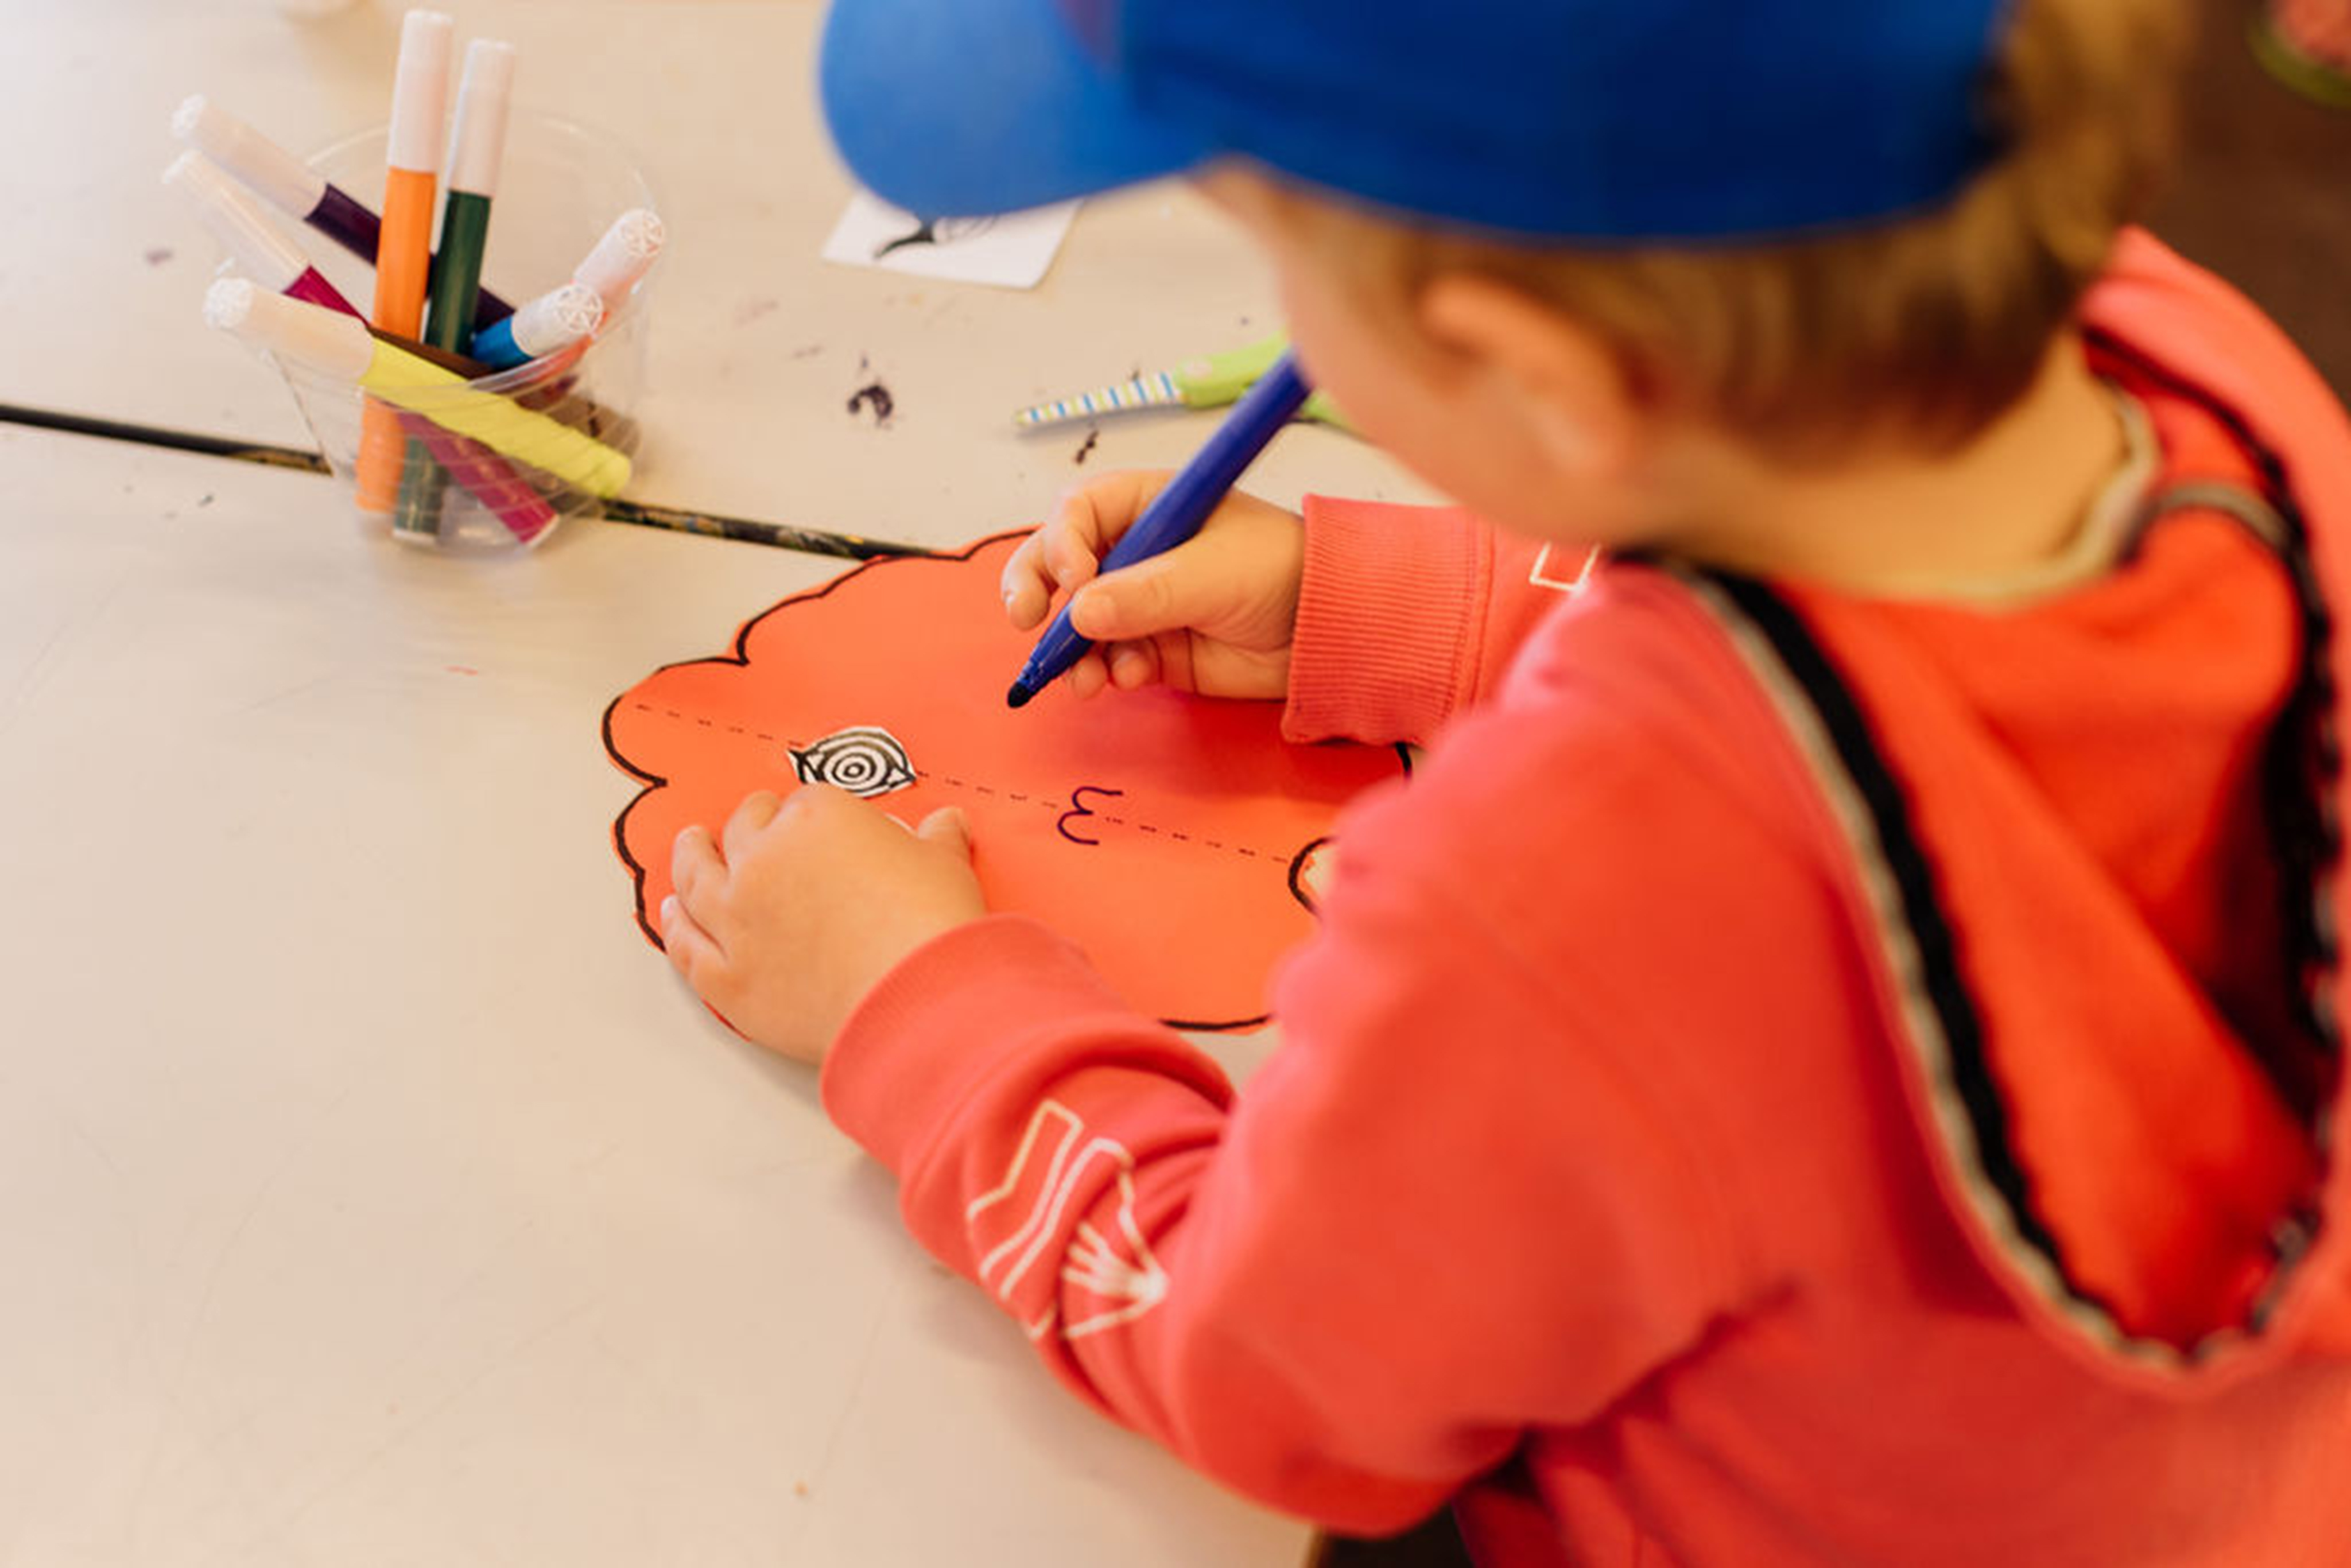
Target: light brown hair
<point>1924,327</point>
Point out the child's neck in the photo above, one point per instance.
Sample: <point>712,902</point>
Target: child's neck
<point>2008,500</point>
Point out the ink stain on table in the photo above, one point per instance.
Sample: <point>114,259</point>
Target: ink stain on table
<point>205,501</point>
<point>1092,436</point>
<point>809,350</point>
<point>156,256</point>
<point>873,394</point>
<point>751,310</point>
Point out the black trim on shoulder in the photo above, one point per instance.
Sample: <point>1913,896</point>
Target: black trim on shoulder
<point>2303,769</point>
<point>1940,977</point>
<point>2303,778</point>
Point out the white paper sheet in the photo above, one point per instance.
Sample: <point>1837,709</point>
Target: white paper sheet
<point>1008,252</point>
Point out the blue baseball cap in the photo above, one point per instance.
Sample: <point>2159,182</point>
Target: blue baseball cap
<point>1612,121</point>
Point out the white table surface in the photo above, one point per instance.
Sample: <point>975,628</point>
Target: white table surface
<point>369,1191</point>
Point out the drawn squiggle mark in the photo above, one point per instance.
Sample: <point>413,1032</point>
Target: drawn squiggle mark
<point>1078,808</point>
<point>865,760</point>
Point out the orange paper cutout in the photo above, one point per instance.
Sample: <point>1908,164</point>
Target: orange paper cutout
<point>1167,835</point>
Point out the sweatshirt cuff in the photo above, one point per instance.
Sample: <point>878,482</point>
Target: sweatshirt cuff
<point>1388,621</point>
<point>946,1019</point>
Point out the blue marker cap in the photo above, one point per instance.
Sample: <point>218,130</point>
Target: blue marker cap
<point>1597,121</point>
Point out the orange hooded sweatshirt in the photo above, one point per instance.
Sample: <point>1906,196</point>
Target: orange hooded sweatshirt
<point>1795,1078</point>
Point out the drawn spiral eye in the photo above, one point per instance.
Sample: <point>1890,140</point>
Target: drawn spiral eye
<point>865,760</point>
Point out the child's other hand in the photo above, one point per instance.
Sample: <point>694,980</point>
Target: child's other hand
<point>1212,615</point>
<point>786,920</point>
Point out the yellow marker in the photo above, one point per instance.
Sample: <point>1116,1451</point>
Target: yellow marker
<point>341,346</point>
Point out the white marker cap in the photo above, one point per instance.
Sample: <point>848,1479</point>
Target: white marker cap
<point>284,181</point>
<point>325,340</point>
<point>420,92</point>
<point>259,251</point>
<point>481,133</point>
<point>558,319</point>
<point>623,255</point>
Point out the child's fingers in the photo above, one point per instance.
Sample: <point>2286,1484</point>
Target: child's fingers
<point>691,951</point>
<point>696,869</point>
<point>1075,542</point>
<point>1133,665</point>
<point>1035,569</point>
<point>947,826</point>
<point>1063,553</point>
<point>1180,590</point>
<point>758,810</point>
<point>1088,675</point>
<point>1026,590</point>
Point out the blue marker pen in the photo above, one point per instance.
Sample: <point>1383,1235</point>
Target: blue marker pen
<point>556,320</point>
<point>1177,513</point>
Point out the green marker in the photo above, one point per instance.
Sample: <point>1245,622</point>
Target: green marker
<point>479,144</point>
<point>1212,380</point>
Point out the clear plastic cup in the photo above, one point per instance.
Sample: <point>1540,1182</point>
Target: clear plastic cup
<point>522,450</point>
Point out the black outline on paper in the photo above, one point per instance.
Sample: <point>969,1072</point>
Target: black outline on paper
<point>736,655</point>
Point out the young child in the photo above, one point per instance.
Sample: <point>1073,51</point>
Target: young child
<point>1833,1057</point>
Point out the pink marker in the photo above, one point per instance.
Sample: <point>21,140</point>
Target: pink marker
<point>259,251</point>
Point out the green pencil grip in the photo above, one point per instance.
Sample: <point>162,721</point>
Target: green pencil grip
<point>1213,380</point>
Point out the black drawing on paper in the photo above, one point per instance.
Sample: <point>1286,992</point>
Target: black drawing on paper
<point>1078,808</point>
<point>865,760</point>
<point>937,231</point>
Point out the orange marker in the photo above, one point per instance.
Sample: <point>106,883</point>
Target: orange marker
<point>420,100</point>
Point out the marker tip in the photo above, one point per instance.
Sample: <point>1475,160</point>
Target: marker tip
<point>1017,696</point>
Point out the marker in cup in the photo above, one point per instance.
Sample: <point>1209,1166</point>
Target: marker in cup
<point>259,251</point>
<point>343,348</point>
<point>623,257</point>
<point>274,262</point>
<point>294,188</point>
<point>480,138</point>
<point>546,325</point>
<point>420,93</point>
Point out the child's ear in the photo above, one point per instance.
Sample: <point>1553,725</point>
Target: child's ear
<point>1563,386</point>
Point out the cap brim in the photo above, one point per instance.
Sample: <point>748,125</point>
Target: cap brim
<point>956,108</point>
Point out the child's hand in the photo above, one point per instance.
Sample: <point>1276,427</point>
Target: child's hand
<point>1212,615</point>
<point>791,916</point>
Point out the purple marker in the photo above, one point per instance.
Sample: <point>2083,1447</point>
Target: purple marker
<point>295,188</point>
<point>259,251</point>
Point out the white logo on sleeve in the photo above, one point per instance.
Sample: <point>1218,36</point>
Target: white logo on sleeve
<point>1541,575</point>
<point>1118,1272</point>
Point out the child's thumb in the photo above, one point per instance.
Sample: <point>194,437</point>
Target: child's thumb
<point>947,826</point>
<point>1140,601</point>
